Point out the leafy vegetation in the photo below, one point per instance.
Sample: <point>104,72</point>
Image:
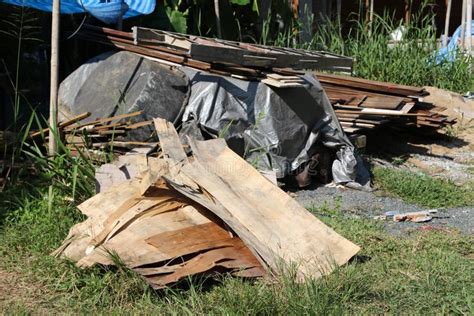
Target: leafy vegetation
<point>422,189</point>
<point>424,273</point>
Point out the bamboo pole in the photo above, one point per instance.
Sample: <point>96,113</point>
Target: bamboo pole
<point>407,11</point>
<point>446,23</point>
<point>371,16</point>
<point>53,95</point>
<point>463,23</point>
<point>218,18</point>
<point>469,27</point>
<point>338,11</point>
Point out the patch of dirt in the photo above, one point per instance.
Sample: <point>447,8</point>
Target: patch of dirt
<point>20,295</point>
<point>456,105</point>
<point>438,155</point>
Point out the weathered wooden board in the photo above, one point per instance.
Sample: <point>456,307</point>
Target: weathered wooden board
<point>275,226</point>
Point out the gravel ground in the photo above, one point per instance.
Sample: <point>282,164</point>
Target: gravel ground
<point>370,205</point>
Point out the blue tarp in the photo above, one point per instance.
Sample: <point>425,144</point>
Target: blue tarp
<point>107,11</point>
<point>448,53</point>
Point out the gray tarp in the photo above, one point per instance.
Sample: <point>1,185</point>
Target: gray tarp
<point>274,128</point>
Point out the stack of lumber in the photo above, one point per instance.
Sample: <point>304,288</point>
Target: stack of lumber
<point>211,212</point>
<point>362,104</point>
<point>241,60</point>
<point>100,133</point>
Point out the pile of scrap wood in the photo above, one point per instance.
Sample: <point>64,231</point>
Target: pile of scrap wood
<point>239,60</point>
<point>100,133</point>
<point>362,104</point>
<point>211,212</point>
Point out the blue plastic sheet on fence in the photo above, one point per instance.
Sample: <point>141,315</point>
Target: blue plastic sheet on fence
<point>448,53</point>
<point>107,11</point>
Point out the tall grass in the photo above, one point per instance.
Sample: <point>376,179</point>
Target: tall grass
<point>410,61</point>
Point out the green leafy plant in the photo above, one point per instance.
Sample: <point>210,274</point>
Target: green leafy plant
<point>22,26</point>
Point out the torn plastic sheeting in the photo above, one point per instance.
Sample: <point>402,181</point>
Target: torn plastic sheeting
<point>121,82</point>
<point>273,128</point>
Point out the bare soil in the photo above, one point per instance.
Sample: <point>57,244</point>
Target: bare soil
<point>18,295</point>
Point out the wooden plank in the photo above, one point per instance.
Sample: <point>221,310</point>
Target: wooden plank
<point>63,124</point>
<point>245,54</point>
<point>107,119</point>
<point>169,140</point>
<point>191,239</point>
<point>378,112</point>
<point>382,102</point>
<point>266,218</point>
<point>357,124</point>
<point>281,77</point>
<point>207,261</point>
<point>143,35</point>
<point>370,85</point>
<point>279,84</point>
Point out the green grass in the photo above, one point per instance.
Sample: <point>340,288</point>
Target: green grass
<point>422,189</point>
<point>422,273</point>
<point>410,62</point>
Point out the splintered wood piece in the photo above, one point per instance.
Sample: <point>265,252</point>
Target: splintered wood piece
<point>130,245</point>
<point>191,239</point>
<point>239,255</point>
<point>264,216</point>
<point>105,203</point>
<point>106,120</point>
<point>63,124</point>
<point>169,140</point>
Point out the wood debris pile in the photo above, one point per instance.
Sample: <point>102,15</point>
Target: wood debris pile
<point>108,133</point>
<point>208,213</point>
<point>362,104</point>
<point>228,58</point>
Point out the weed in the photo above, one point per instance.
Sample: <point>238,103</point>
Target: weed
<point>422,189</point>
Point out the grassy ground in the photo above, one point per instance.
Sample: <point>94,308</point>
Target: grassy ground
<point>422,189</point>
<point>429,272</point>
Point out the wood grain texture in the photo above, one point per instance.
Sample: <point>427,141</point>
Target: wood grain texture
<point>265,217</point>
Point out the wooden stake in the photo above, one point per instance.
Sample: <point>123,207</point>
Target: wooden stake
<point>338,11</point>
<point>218,18</point>
<point>463,23</point>
<point>469,27</point>
<point>446,23</point>
<point>407,11</point>
<point>371,16</point>
<point>53,95</point>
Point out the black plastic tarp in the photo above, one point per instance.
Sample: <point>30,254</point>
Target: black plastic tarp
<point>275,129</point>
